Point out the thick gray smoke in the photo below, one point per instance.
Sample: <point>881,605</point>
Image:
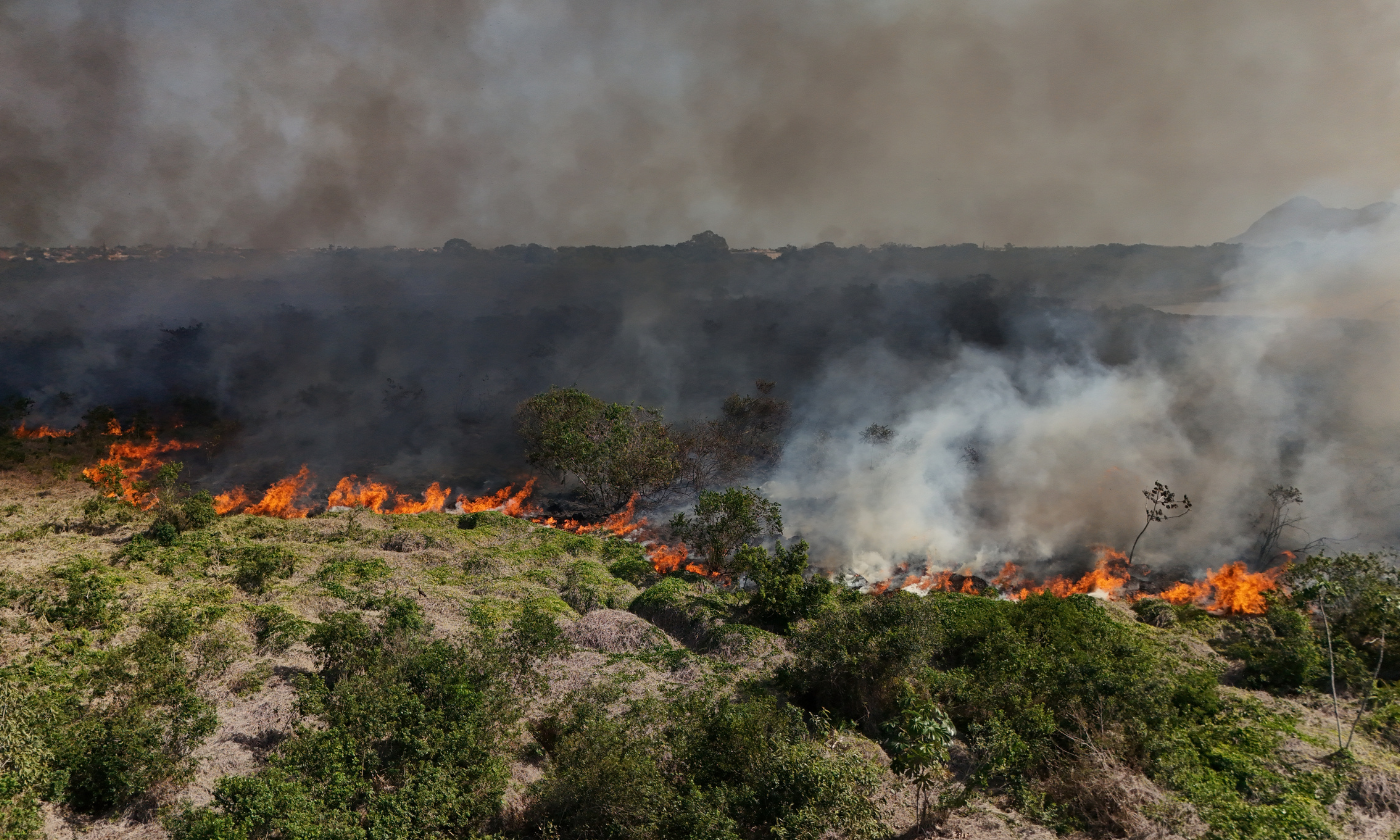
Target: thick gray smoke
<point>1287,378</point>
<point>1030,394</point>
<point>368,122</point>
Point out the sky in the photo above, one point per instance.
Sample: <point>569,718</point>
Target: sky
<point>281,123</point>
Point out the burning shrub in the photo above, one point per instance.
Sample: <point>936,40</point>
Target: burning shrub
<point>615,451</point>
<point>699,767</point>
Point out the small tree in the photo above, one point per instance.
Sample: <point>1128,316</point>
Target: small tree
<point>918,741</point>
<point>615,451</point>
<point>783,594</point>
<point>723,522</point>
<point>1160,500</point>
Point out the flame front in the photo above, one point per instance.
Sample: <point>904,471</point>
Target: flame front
<point>231,500</point>
<point>1107,579</point>
<point>280,500</point>
<point>1232,590</point>
<point>121,474</point>
<point>42,432</point>
<point>350,492</point>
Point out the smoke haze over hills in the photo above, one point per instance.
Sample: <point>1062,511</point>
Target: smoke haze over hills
<point>263,123</point>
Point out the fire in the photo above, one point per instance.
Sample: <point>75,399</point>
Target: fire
<point>373,495</point>
<point>490,501</point>
<point>42,432</point>
<point>114,428</point>
<point>280,499</point>
<point>940,582</point>
<point>1232,590</point>
<point>1107,579</point>
<point>231,500</point>
<point>121,473</point>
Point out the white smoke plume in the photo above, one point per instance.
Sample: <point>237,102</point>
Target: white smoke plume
<point>1287,376</point>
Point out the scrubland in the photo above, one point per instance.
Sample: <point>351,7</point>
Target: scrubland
<point>371,676</point>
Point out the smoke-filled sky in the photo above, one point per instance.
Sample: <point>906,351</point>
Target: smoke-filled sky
<point>370,122</point>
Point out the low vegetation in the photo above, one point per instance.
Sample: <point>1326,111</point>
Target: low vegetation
<point>362,675</point>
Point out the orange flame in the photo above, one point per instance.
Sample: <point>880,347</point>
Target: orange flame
<point>280,499</point>
<point>373,495</point>
<point>114,428</point>
<point>1109,576</point>
<point>126,463</point>
<point>1232,590</point>
<point>370,495</point>
<point>42,432</point>
<point>490,501</point>
<point>231,500</point>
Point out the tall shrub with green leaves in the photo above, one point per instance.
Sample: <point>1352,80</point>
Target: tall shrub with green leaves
<point>723,522</point>
<point>613,450</point>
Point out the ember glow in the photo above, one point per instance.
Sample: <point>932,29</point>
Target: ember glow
<point>1232,590</point>
<point>123,472</point>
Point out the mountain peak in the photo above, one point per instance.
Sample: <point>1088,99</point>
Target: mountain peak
<point>1303,218</point>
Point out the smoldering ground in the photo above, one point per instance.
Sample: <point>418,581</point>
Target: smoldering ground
<point>271,123</point>
<point>1030,395</point>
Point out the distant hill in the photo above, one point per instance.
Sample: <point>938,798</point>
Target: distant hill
<point>1307,218</point>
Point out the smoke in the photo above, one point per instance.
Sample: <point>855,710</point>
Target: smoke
<point>1026,456</point>
<point>275,123</point>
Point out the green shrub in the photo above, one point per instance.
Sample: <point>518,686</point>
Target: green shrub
<point>722,523</point>
<point>275,629</point>
<point>627,561</point>
<point>27,774</point>
<point>255,565</point>
<point>89,599</point>
<point>699,767</point>
<point>141,733</point>
<point>1280,652</point>
<point>589,586</point>
<point>412,745</point>
<point>782,594</point>
<point>615,451</point>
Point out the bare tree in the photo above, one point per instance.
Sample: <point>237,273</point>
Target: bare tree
<point>1160,501</point>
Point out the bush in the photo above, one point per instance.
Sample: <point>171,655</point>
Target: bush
<point>699,767</point>
<point>142,731</point>
<point>89,599</point>
<point>589,586</point>
<point>412,745</point>
<point>627,561</point>
<point>723,522</point>
<point>275,629</point>
<point>255,565</point>
<point>783,596</point>
<point>1280,651</point>
<point>615,451</point>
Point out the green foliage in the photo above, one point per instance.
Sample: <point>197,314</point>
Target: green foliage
<point>782,594</point>
<point>614,450</point>
<point>627,561</point>
<point>588,585</point>
<point>1229,768</point>
<point>128,723</point>
<point>89,599</point>
<point>275,628</point>
<point>1280,651</point>
<point>27,772</point>
<point>723,522</point>
<point>699,767</point>
<point>254,566</point>
<point>412,744</point>
<point>1360,593</point>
